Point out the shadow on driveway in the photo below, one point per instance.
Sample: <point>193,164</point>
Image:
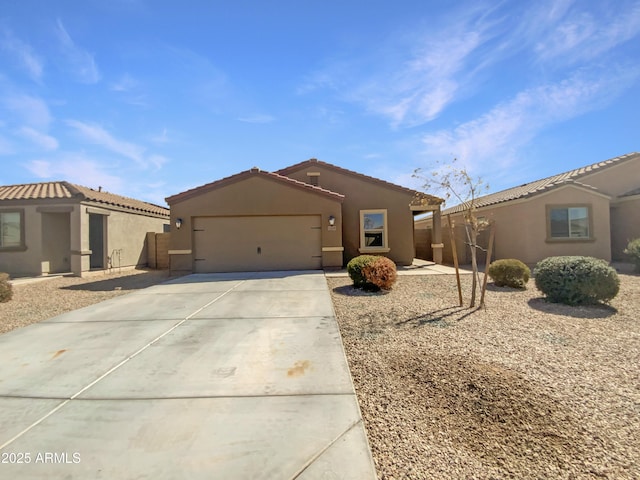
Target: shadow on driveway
<point>126,282</point>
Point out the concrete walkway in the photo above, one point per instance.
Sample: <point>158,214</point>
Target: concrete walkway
<point>418,267</point>
<point>219,376</point>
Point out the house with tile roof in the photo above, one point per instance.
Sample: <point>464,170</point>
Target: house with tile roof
<point>310,215</point>
<point>592,210</point>
<point>60,227</point>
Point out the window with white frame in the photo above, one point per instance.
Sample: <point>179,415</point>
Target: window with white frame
<point>373,230</point>
<point>569,222</point>
<point>10,229</point>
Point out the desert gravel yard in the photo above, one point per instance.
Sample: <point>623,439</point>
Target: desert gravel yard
<point>523,389</point>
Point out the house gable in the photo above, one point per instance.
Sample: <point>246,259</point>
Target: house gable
<point>242,176</point>
<point>263,206</point>
<point>344,181</point>
<point>365,198</point>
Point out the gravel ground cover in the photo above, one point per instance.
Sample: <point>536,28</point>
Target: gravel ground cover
<point>523,389</point>
<point>36,301</point>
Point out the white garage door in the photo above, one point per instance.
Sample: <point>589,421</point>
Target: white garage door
<point>257,243</point>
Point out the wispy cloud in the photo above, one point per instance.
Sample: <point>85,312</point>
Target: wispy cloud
<point>494,138</point>
<point>423,87</point>
<point>28,109</point>
<point>5,146</point>
<point>81,63</point>
<point>417,77</point>
<point>28,60</point>
<point>257,118</point>
<point>99,136</point>
<point>40,139</point>
<point>76,168</point>
<point>579,34</point>
<point>126,83</point>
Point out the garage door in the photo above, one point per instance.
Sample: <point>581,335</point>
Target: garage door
<point>257,243</point>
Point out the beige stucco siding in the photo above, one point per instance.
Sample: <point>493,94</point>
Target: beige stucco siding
<point>254,195</point>
<point>521,228</point>
<point>625,225</point>
<point>617,179</point>
<point>56,237</point>
<point>361,194</point>
<point>126,237</point>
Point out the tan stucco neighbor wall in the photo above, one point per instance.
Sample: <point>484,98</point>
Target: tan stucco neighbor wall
<point>521,228</point>
<point>625,225</point>
<point>362,194</point>
<point>617,179</point>
<point>56,237</point>
<point>254,194</point>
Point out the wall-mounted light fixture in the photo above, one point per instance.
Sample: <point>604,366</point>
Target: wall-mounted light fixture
<point>178,223</point>
<point>332,220</point>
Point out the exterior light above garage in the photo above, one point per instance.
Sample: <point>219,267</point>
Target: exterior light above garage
<point>332,220</point>
<point>178,223</point>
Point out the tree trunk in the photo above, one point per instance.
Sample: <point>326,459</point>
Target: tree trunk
<point>472,236</point>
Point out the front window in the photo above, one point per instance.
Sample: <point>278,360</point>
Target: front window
<point>10,229</point>
<point>569,222</point>
<point>373,230</point>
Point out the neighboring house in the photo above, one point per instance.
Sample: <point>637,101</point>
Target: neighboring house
<point>308,216</point>
<point>59,227</point>
<point>593,210</point>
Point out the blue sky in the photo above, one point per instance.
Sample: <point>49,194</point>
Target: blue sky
<point>149,98</point>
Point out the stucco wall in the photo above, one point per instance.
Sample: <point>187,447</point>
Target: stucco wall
<point>625,225</point>
<point>126,238</point>
<point>56,236</point>
<point>359,195</point>
<point>26,262</point>
<point>521,228</point>
<point>56,242</point>
<point>255,194</point>
<point>617,179</point>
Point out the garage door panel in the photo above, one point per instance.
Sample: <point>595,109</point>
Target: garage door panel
<point>257,243</point>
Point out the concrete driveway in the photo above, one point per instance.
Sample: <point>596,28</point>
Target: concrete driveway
<point>213,376</point>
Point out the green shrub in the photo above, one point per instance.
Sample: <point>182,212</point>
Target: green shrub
<point>355,266</point>
<point>633,251</point>
<point>509,272</point>
<point>6,292</point>
<point>576,280</point>
<point>381,273</point>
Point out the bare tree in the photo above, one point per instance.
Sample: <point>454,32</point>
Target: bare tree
<point>452,182</point>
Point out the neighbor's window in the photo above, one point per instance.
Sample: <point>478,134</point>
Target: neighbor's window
<point>569,222</point>
<point>10,229</point>
<point>373,230</point>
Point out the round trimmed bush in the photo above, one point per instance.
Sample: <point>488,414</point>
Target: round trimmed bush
<point>509,272</point>
<point>6,292</point>
<point>576,280</point>
<point>633,251</point>
<point>381,273</point>
<point>355,266</point>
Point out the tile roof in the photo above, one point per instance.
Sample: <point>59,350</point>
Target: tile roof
<point>429,199</point>
<point>64,190</point>
<point>246,174</point>
<point>544,185</point>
